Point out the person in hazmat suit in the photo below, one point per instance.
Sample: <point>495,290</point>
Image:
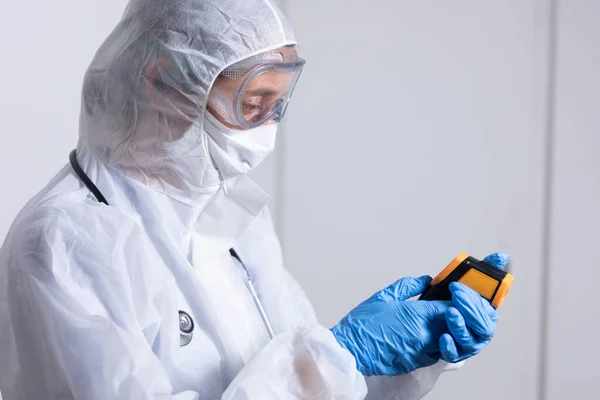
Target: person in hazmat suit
<point>148,268</point>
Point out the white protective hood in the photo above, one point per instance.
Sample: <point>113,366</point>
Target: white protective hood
<point>158,138</point>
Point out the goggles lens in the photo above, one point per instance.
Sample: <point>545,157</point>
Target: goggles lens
<point>250,98</point>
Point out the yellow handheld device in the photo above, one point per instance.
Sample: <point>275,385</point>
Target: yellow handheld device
<point>490,282</point>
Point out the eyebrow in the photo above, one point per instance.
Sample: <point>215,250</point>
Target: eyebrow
<point>262,92</point>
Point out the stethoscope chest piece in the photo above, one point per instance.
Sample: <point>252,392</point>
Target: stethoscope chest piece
<point>186,328</point>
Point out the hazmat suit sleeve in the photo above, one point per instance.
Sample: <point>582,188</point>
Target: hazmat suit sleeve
<point>413,386</point>
<point>286,300</point>
<point>99,321</point>
<point>73,312</point>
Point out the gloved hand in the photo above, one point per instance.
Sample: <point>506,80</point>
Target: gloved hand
<point>391,336</point>
<point>471,319</point>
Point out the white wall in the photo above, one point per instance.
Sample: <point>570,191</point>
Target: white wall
<point>419,130</point>
<point>572,369</point>
<point>46,47</point>
<point>415,134</point>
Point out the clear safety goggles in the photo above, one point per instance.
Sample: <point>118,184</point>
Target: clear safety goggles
<point>255,90</point>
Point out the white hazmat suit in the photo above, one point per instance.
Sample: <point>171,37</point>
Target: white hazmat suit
<point>90,293</point>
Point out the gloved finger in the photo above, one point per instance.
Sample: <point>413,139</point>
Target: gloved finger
<point>476,298</point>
<point>459,330</point>
<point>449,355</point>
<point>448,348</point>
<point>434,310</point>
<point>405,288</point>
<point>479,315</point>
<point>498,260</point>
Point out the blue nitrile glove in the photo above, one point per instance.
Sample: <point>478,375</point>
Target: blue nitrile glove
<point>471,319</point>
<point>389,335</point>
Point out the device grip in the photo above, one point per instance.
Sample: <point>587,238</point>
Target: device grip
<point>490,282</point>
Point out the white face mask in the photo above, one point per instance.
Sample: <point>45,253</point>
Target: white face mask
<point>237,152</point>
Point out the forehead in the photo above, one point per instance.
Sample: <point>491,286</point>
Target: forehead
<point>290,53</point>
<point>285,54</point>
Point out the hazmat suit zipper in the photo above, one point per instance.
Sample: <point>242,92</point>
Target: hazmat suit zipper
<point>223,184</point>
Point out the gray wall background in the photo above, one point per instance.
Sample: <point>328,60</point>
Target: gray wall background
<point>419,130</point>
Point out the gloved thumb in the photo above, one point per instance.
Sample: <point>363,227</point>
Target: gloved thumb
<point>498,260</point>
<point>406,288</point>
